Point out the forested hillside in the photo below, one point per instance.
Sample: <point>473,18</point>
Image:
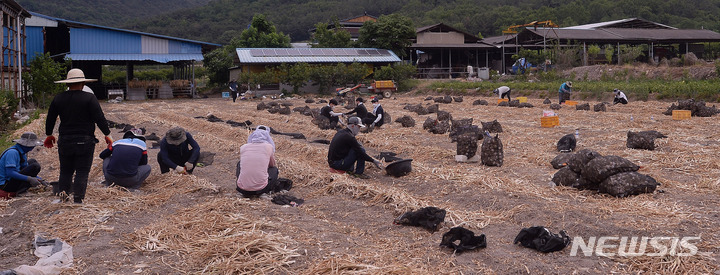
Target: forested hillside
<point>220,20</point>
<point>113,13</point>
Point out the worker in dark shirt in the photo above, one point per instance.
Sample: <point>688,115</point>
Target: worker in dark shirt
<point>79,112</point>
<point>377,116</point>
<point>327,111</point>
<point>360,109</point>
<point>346,153</point>
<point>125,163</point>
<point>175,152</point>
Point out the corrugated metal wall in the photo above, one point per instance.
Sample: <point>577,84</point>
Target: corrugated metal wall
<point>154,45</point>
<point>34,42</point>
<point>184,47</point>
<point>104,41</point>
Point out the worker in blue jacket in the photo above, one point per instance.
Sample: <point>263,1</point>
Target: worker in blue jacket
<point>125,162</point>
<point>17,172</point>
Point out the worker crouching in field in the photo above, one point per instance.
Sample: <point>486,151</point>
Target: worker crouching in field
<point>257,172</point>
<point>620,97</point>
<point>17,173</point>
<point>347,154</point>
<point>178,151</point>
<point>377,117</point>
<point>328,112</point>
<point>125,162</point>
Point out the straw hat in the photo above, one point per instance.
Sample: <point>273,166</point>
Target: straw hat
<point>75,76</point>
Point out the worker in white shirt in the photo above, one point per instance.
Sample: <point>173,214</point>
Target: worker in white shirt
<point>619,97</point>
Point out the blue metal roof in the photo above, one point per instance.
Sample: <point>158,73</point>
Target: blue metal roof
<point>162,58</point>
<point>315,55</point>
<point>118,29</point>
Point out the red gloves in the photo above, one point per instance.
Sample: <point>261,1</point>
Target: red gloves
<point>109,142</point>
<point>49,141</point>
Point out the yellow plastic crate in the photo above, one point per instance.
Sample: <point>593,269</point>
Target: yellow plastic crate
<point>384,84</point>
<point>502,99</point>
<point>522,99</point>
<point>549,121</point>
<point>571,102</point>
<point>681,114</point>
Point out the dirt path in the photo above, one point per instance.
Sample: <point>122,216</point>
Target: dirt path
<point>346,223</point>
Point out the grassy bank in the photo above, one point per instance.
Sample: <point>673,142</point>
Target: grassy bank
<point>6,136</point>
<point>706,90</point>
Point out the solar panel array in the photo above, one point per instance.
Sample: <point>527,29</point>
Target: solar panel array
<point>317,52</point>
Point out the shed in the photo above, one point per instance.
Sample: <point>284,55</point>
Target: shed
<point>630,31</point>
<point>90,46</point>
<point>258,59</point>
<point>443,51</point>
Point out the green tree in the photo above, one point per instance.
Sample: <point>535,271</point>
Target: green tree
<point>8,105</point>
<point>322,75</point>
<point>296,75</point>
<point>335,37</point>
<point>41,76</point>
<point>401,73</point>
<point>218,63</point>
<point>262,34</point>
<point>394,32</point>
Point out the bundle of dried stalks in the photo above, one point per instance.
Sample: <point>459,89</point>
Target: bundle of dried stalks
<point>214,238</point>
<point>701,263</point>
<point>348,266</point>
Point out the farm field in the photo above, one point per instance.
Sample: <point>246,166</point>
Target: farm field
<point>189,224</point>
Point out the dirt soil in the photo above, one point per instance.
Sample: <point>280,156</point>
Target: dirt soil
<point>346,224</point>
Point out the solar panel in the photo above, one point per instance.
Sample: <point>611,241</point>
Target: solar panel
<point>383,52</point>
<point>293,52</point>
<point>362,52</point>
<point>373,52</point>
<point>349,52</point>
<point>256,52</point>
<point>268,52</point>
<point>327,52</point>
<point>338,52</point>
<point>305,52</point>
<point>281,52</point>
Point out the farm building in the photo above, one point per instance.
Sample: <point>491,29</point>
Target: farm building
<point>352,25</point>
<point>659,41</point>
<point>91,46</point>
<point>13,47</point>
<point>258,59</point>
<point>440,51</point>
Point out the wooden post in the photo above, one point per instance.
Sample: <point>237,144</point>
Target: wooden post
<point>585,56</point>
<point>2,49</point>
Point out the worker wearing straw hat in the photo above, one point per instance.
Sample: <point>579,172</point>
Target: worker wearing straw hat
<point>346,153</point>
<point>79,112</point>
<point>17,172</point>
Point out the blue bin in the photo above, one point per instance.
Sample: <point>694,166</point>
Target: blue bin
<point>225,94</point>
